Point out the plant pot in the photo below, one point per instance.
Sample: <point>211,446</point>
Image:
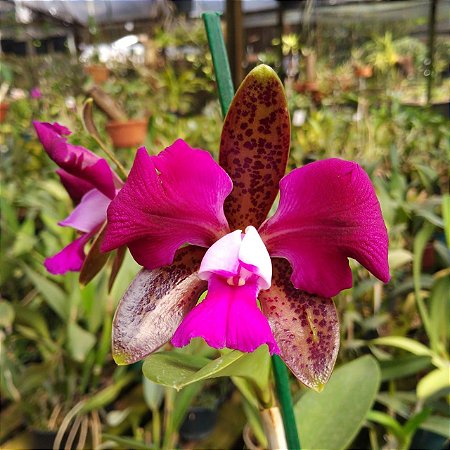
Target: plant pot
<point>98,72</point>
<point>131,133</point>
<point>199,423</point>
<point>363,71</point>
<point>3,110</point>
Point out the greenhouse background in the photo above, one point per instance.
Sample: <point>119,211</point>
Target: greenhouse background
<point>365,80</point>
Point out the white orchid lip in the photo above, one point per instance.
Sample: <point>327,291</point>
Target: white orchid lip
<point>238,257</point>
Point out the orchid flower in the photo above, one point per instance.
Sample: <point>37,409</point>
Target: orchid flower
<point>90,183</point>
<point>35,93</point>
<point>195,225</point>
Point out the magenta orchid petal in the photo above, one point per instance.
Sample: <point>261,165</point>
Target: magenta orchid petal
<point>328,211</point>
<point>77,160</point>
<point>70,258</point>
<point>90,212</point>
<point>75,187</point>
<point>227,317</point>
<point>168,200</point>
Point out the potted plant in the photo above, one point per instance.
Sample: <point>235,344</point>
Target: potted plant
<point>124,102</point>
<point>96,69</point>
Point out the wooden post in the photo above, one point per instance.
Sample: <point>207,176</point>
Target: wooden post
<point>235,41</point>
<point>431,42</point>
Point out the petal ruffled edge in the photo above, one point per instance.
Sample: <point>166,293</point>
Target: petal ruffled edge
<point>328,211</point>
<point>168,200</point>
<point>228,317</point>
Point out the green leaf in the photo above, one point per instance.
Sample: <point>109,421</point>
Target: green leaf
<point>330,420</point>
<point>32,318</point>
<point>399,257</point>
<point>439,312</point>
<point>177,370</point>
<point>446,217</point>
<point>25,238</point>
<point>153,393</point>
<point>387,421</point>
<point>54,296</point>
<point>393,369</point>
<point>125,442</point>
<point>79,342</point>
<point>404,343</point>
<point>436,382</point>
<point>7,314</point>
<point>183,400</point>
<point>107,395</point>
<point>420,241</point>
<point>438,425</point>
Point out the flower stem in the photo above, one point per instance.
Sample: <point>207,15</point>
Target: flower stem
<point>284,397</point>
<point>226,93</point>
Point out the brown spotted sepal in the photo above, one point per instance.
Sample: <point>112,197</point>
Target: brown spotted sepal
<point>154,305</point>
<point>254,147</point>
<point>305,327</point>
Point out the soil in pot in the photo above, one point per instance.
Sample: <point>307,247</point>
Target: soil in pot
<point>131,133</point>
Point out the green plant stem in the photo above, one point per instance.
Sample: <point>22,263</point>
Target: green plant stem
<point>226,94</point>
<point>156,428</point>
<point>112,157</point>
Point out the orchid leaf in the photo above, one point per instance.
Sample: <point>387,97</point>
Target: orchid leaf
<point>95,260</point>
<point>79,342</point>
<point>436,382</point>
<point>177,370</point>
<point>401,367</point>
<point>53,295</point>
<point>332,419</point>
<point>154,305</point>
<point>254,147</point>
<point>305,326</point>
<point>153,393</point>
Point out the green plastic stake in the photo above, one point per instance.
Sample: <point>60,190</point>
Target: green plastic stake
<point>285,399</point>
<point>226,94</point>
<point>220,60</point>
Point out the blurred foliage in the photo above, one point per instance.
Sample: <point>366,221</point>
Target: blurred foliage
<point>57,372</point>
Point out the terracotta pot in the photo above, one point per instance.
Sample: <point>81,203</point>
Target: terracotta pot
<point>131,133</point>
<point>98,72</point>
<point>363,71</point>
<point>3,110</point>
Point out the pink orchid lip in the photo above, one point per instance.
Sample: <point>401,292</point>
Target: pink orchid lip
<point>238,257</point>
<point>237,267</point>
<point>227,317</point>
